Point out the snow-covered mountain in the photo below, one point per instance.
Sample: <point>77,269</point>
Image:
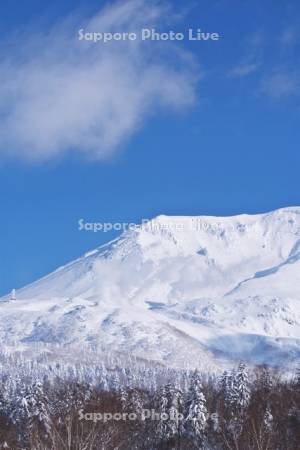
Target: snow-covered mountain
<point>179,290</point>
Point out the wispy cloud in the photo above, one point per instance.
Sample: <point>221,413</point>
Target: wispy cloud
<point>59,95</point>
<point>281,84</point>
<point>252,60</point>
<point>243,70</point>
<point>277,74</point>
<point>289,36</point>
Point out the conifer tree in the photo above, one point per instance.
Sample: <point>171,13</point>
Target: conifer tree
<point>35,404</point>
<point>195,411</point>
<point>239,393</point>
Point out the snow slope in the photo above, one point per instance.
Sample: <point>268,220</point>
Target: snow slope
<point>180,290</point>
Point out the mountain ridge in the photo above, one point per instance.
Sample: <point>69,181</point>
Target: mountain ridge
<point>178,290</point>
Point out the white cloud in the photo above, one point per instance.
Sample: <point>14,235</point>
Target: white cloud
<point>281,84</point>
<point>289,36</point>
<point>59,94</point>
<point>252,59</point>
<point>243,70</point>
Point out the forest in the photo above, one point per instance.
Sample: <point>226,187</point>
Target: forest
<point>46,405</point>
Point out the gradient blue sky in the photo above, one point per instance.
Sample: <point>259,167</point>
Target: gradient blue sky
<point>235,150</point>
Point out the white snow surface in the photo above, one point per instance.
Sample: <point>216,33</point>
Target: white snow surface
<point>184,291</point>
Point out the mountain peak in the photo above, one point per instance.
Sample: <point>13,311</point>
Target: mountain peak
<point>173,283</point>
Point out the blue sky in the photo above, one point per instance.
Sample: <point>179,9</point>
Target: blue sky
<point>181,128</point>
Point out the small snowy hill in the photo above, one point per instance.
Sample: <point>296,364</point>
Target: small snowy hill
<point>180,290</point>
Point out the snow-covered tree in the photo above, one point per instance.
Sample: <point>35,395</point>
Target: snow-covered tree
<point>241,386</point>
<point>195,411</point>
<point>298,379</point>
<point>162,410</point>
<point>175,410</point>
<point>224,385</point>
<point>18,392</point>
<point>115,382</point>
<point>170,408</point>
<point>135,402</point>
<point>266,382</point>
<point>224,381</point>
<point>268,421</point>
<point>239,392</point>
<point>124,398</point>
<point>35,405</point>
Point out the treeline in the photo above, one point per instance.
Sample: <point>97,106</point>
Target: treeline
<point>236,411</point>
